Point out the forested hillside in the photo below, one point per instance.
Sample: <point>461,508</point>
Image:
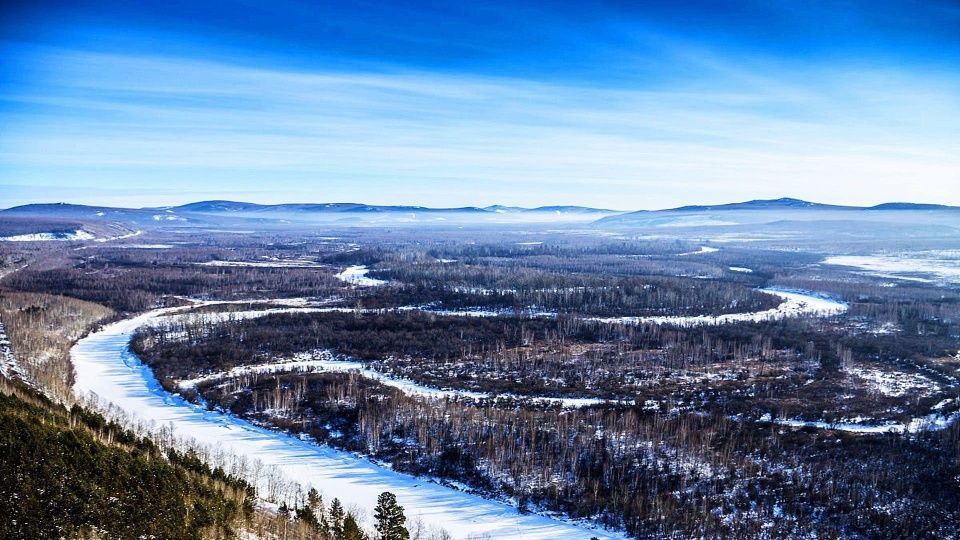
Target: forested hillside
<point>73,474</point>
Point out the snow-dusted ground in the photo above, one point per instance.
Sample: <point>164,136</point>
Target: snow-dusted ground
<point>701,251</point>
<point>357,275</point>
<point>119,237</point>
<point>275,263</point>
<point>107,367</point>
<point>324,361</point>
<point>795,304</point>
<point>741,269</point>
<point>895,383</point>
<point>938,265</point>
<point>71,236</point>
<point>144,246</point>
<point>934,421</point>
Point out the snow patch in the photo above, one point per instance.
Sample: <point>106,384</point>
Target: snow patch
<point>357,275</point>
<point>895,383</point>
<point>701,251</point>
<point>68,236</point>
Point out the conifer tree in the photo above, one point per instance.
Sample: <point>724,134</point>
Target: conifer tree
<point>351,530</point>
<point>389,518</point>
<point>336,519</point>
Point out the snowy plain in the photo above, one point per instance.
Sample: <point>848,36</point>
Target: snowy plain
<point>70,236</point>
<point>921,266</point>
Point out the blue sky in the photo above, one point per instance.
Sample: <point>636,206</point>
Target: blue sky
<point>625,105</point>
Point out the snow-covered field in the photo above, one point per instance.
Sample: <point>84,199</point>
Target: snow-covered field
<point>357,275</point>
<point>895,383</point>
<point>70,236</point>
<point>66,236</point>
<point>923,266</point>
<point>795,304</point>
<point>107,367</point>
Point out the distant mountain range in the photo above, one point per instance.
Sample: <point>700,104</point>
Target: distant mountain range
<point>783,209</point>
<point>208,212</point>
<point>254,210</point>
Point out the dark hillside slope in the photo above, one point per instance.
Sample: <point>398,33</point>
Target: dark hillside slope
<point>72,474</point>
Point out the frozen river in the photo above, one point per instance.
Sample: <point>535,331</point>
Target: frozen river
<point>107,367</point>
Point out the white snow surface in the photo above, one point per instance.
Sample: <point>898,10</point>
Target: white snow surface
<point>119,237</point>
<point>357,275</point>
<point>106,366</point>
<point>939,265</point>
<point>741,269</point>
<point>72,236</point>
<point>795,304</point>
<point>701,251</point>
<point>935,421</point>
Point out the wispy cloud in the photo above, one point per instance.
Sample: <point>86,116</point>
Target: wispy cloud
<point>109,119</point>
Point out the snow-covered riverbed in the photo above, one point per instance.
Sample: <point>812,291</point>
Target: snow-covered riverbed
<point>105,366</point>
<point>324,361</point>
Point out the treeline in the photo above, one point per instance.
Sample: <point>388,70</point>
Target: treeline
<point>551,356</point>
<point>589,296</point>
<point>134,288</point>
<point>188,347</point>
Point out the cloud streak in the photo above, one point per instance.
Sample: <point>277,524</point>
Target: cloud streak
<point>733,131</point>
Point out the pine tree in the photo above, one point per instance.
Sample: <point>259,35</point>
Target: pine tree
<point>308,516</point>
<point>314,499</point>
<point>336,519</point>
<point>390,518</point>
<point>315,502</point>
<point>351,530</point>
